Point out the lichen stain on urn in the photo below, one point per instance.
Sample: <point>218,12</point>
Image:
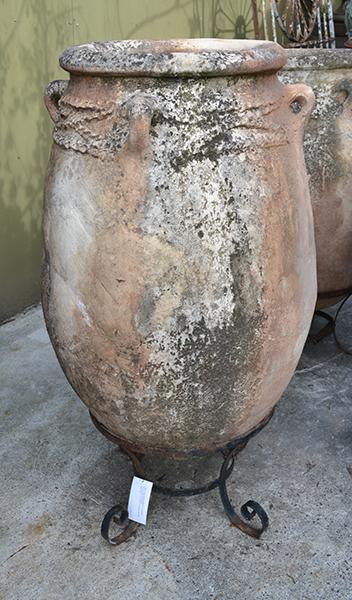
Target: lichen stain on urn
<point>179,280</point>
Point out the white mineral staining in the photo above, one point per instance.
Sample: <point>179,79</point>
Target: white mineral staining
<point>84,312</point>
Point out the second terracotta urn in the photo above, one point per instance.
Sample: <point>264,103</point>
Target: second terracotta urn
<point>179,277</point>
<point>328,152</point>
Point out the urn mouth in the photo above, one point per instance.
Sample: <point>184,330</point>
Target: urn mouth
<point>201,57</point>
<point>318,59</point>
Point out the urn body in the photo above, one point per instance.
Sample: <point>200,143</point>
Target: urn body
<point>179,275</point>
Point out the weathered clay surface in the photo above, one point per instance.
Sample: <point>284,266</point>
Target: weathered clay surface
<point>328,153</point>
<point>193,57</point>
<point>179,278</point>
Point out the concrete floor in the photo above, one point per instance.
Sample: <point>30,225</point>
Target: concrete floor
<point>59,476</point>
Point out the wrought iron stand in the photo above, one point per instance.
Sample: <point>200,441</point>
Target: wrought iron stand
<point>330,327</point>
<point>119,516</point>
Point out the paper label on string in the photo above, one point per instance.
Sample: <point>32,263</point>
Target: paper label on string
<point>138,501</point>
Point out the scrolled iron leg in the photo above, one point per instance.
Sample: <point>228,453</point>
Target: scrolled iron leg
<point>119,516</point>
<point>337,339</point>
<point>249,510</point>
<point>325,331</point>
<point>330,327</point>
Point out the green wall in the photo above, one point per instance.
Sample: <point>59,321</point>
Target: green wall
<point>32,35</point>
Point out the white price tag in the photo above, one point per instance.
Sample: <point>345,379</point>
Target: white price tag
<point>138,501</point>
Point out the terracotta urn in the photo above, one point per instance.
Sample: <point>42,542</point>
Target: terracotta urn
<point>328,153</point>
<point>179,277</point>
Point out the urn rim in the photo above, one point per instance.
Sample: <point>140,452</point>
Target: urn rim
<point>202,57</point>
<point>318,59</point>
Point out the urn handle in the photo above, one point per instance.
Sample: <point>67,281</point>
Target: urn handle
<point>52,95</point>
<point>301,99</point>
<point>140,110</point>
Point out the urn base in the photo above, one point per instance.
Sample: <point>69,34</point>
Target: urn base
<point>175,452</point>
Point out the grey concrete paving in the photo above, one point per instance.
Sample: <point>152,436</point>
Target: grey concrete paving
<point>59,476</point>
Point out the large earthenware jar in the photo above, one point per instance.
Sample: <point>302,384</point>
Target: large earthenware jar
<point>179,276</point>
<point>328,152</point>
